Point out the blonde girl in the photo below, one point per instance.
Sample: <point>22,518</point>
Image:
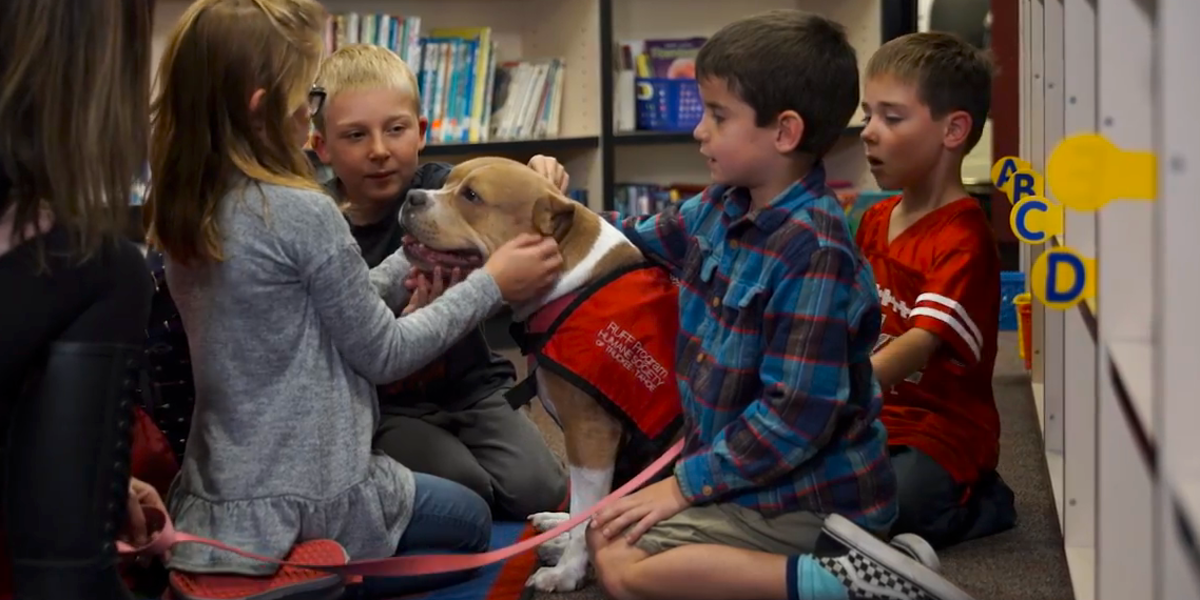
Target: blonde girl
<point>288,330</point>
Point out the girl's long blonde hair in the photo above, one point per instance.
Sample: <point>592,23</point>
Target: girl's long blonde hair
<point>205,136</point>
<point>74,89</point>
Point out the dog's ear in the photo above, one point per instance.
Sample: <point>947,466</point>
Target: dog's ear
<point>553,215</point>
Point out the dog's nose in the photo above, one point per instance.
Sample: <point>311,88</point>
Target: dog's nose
<point>417,198</point>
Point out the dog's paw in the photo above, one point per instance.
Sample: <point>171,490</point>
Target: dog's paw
<point>551,551</point>
<point>545,521</point>
<point>562,577</point>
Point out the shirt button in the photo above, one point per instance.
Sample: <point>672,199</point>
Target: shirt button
<point>707,490</point>
<point>733,244</point>
<point>700,357</point>
<point>716,302</point>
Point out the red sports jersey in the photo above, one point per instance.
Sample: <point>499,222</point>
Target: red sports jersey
<point>942,274</point>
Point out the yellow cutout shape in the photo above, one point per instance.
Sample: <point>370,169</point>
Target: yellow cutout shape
<point>1061,278</point>
<point>1025,183</point>
<point>1035,219</point>
<point>1086,171</point>
<point>1004,169</point>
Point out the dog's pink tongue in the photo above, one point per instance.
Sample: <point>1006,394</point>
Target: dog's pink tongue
<point>446,260</point>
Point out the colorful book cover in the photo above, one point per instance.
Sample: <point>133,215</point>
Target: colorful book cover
<point>480,61</point>
<point>673,59</point>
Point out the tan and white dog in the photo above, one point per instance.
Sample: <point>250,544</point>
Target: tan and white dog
<point>484,203</point>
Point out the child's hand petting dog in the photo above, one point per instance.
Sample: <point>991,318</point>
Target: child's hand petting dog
<point>525,267</point>
<point>551,169</point>
<point>426,287</point>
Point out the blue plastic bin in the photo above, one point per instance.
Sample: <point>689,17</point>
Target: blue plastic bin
<point>668,104</point>
<point>1012,283</point>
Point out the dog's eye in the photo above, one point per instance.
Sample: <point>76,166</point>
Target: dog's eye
<point>470,194</point>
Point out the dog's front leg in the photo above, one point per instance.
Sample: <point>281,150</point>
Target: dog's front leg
<point>588,487</point>
<point>591,437</point>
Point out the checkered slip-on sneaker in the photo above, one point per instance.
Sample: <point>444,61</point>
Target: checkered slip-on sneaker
<point>919,549</point>
<point>872,569</point>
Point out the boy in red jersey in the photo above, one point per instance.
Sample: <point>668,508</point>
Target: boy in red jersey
<point>926,98</point>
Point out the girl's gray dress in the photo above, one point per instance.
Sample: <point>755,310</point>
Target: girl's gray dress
<point>288,336</point>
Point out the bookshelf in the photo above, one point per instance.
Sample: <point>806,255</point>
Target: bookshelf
<point>582,33</point>
<point>1116,378</point>
<point>665,158</point>
<point>553,147</point>
<point>666,138</point>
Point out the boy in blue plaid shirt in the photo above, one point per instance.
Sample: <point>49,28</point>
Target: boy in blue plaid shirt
<point>785,481</point>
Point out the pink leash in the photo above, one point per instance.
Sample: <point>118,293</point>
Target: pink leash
<point>410,565</point>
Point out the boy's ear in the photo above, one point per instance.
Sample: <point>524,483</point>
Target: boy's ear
<point>958,129</point>
<point>423,124</point>
<point>319,146</point>
<point>789,131</point>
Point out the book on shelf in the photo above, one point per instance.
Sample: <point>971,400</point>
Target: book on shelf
<point>401,35</point>
<point>469,95</point>
<point>651,58</point>
<point>632,199</point>
<point>667,58</point>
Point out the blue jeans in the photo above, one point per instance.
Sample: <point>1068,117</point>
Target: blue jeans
<point>448,518</point>
<point>931,503</point>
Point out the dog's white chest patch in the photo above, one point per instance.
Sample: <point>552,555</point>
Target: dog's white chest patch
<point>610,237</point>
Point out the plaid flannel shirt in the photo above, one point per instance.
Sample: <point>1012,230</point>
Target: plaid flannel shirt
<point>778,316</point>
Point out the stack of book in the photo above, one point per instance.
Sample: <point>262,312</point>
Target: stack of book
<point>632,199</point>
<point>468,94</point>
<point>649,59</point>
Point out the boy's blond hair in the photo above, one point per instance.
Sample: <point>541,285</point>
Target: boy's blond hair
<point>205,135</point>
<point>358,67</point>
<point>950,74</point>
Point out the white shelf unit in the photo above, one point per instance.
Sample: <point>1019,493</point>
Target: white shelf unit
<point>1078,344</point>
<point>678,160</point>
<point>1117,377</point>
<point>1176,370</point>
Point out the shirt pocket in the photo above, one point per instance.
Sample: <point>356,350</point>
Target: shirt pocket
<point>741,313</point>
<point>701,262</point>
<point>700,271</point>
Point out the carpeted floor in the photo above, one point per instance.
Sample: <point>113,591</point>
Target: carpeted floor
<point>1026,563</point>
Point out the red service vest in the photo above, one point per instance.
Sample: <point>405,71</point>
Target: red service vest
<point>616,341</point>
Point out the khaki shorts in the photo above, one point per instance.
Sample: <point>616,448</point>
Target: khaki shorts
<point>733,525</point>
